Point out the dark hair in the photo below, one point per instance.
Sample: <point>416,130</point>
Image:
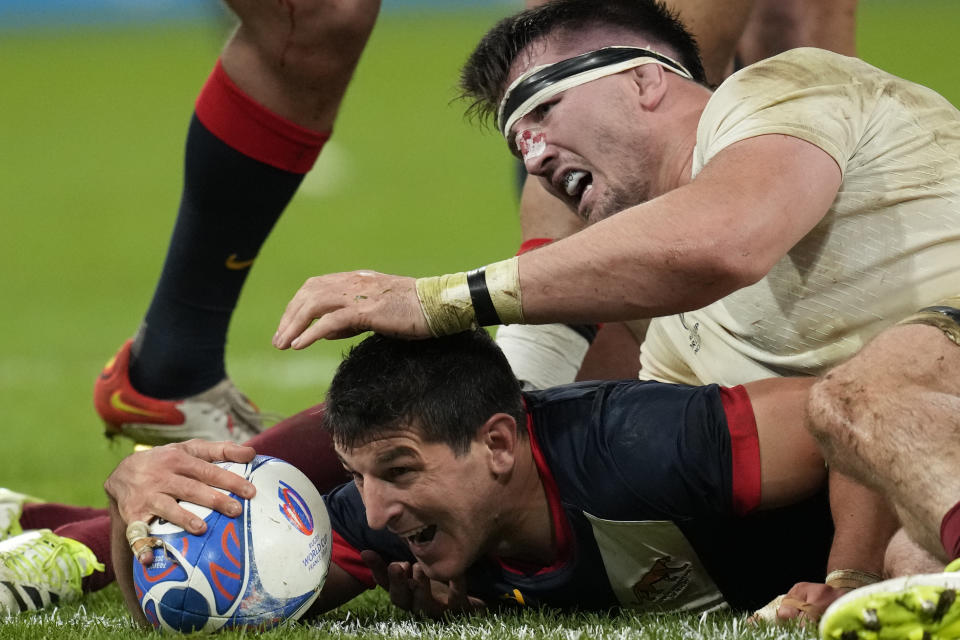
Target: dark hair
<point>483,78</point>
<point>447,386</point>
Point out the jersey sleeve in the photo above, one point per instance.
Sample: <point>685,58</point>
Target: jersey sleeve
<point>633,450</point>
<point>805,93</point>
<point>351,535</point>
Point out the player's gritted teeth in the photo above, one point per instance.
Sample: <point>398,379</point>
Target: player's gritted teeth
<point>423,535</point>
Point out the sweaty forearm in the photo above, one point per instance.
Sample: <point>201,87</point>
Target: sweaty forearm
<point>864,524</point>
<point>621,269</point>
<point>691,245</point>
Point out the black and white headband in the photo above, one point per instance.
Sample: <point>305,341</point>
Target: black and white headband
<point>542,83</point>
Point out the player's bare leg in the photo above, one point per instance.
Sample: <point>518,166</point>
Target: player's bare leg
<point>261,120</point>
<point>296,57</point>
<point>905,557</point>
<point>717,26</point>
<point>890,417</point>
<point>778,25</point>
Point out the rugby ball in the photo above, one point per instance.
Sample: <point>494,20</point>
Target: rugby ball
<point>256,570</point>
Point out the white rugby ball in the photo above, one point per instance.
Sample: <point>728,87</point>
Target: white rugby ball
<point>256,570</point>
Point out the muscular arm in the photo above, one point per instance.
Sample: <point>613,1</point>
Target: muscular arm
<point>684,250</point>
<point>864,524</point>
<point>689,247</point>
<point>791,465</point>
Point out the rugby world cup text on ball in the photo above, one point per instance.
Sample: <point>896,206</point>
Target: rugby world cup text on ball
<point>317,551</point>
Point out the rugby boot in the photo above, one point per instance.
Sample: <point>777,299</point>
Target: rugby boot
<point>11,508</point>
<point>920,607</point>
<point>40,569</point>
<point>219,413</point>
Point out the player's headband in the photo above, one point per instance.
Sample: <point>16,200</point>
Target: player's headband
<point>542,83</point>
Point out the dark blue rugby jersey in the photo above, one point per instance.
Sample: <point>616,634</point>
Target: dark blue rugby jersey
<point>653,490</point>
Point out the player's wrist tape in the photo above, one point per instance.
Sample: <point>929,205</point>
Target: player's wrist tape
<point>851,578</point>
<point>483,297</point>
<point>139,538</point>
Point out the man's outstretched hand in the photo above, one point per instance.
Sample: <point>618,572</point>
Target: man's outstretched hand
<point>347,304</point>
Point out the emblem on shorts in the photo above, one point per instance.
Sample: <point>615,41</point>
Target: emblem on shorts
<point>693,333</point>
<point>663,581</point>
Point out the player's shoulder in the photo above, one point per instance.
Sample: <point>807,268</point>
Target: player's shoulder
<point>611,414</point>
<point>795,69</point>
<point>591,395</point>
<point>631,449</point>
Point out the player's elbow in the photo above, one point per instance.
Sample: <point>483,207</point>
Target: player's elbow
<point>728,270</point>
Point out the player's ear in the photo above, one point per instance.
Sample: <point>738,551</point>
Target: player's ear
<point>651,83</point>
<point>499,437</point>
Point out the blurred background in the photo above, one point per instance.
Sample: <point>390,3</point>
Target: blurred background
<point>95,96</point>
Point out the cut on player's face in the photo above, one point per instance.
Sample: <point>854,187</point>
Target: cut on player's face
<point>443,505</point>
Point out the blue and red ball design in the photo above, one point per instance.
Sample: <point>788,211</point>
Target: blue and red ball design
<point>213,581</point>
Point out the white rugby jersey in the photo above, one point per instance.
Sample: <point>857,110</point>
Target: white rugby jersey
<point>888,246</point>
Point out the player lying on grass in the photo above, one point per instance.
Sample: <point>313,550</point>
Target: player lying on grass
<point>652,494</point>
<point>587,496</point>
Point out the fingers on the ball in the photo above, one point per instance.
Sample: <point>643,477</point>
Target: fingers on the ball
<point>214,475</point>
<point>180,454</point>
<point>241,453</point>
<point>168,509</point>
<point>146,557</point>
<point>198,492</point>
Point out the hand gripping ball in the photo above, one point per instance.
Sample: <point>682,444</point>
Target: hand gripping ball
<point>258,569</point>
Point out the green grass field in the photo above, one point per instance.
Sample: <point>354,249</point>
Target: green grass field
<point>91,138</point>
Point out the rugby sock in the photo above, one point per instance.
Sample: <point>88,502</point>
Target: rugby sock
<point>50,515</point>
<point>243,164</point>
<point>302,442</point>
<point>950,532</point>
<point>86,525</point>
<point>95,534</point>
